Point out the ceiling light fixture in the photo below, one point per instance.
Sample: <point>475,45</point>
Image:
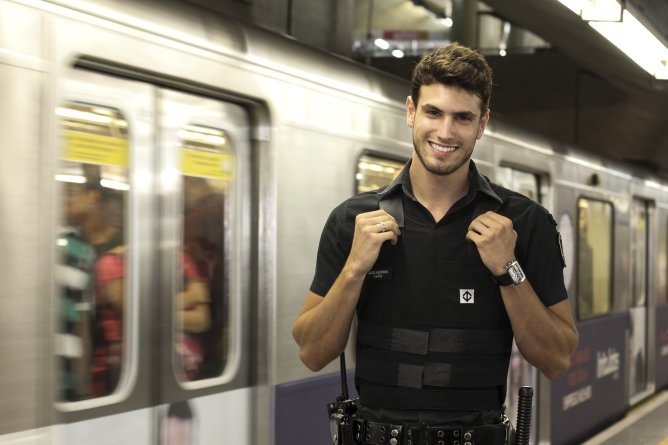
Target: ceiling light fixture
<point>382,44</point>
<point>624,31</point>
<point>637,42</point>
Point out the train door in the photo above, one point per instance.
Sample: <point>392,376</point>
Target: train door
<point>204,262</point>
<point>638,368</point>
<point>150,333</point>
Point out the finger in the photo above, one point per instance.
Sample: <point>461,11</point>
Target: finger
<point>478,226</point>
<point>390,225</point>
<point>382,220</point>
<point>491,219</point>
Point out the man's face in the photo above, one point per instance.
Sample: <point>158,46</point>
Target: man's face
<point>75,206</point>
<point>446,124</point>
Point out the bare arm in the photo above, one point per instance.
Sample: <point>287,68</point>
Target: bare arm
<point>197,319</point>
<point>114,293</point>
<point>323,325</point>
<point>546,337</point>
<point>194,306</point>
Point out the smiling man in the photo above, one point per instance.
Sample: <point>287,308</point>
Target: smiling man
<point>443,268</point>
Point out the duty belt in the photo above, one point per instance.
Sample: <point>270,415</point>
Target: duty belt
<point>375,433</point>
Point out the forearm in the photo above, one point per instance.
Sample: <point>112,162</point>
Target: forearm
<point>323,326</point>
<point>197,319</point>
<point>546,337</point>
<point>195,293</point>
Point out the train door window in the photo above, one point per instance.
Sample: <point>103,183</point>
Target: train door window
<point>594,266</point>
<point>375,171</point>
<point>639,307</point>
<point>205,232</point>
<point>207,167</point>
<point>520,181</point>
<point>91,261</point>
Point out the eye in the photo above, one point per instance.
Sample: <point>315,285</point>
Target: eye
<point>465,117</point>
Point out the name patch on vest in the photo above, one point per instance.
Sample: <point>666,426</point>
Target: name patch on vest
<point>381,274</point>
<point>466,296</point>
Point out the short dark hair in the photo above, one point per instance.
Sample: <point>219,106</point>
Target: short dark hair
<point>454,65</point>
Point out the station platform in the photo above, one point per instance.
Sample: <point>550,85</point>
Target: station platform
<point>646,424</point>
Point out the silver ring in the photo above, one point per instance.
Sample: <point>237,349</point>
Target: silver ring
<point>382,227</point>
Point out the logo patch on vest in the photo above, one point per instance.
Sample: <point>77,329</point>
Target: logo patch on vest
<point>466,296</point>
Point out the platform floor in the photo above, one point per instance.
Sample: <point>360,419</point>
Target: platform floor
<point>647,425</point>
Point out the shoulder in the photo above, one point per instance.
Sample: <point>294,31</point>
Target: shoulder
<point>521,209</point>
<point>353,206</point>
<point>109,266</point>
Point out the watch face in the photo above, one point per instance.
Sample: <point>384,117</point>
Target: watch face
<point>516,273</point>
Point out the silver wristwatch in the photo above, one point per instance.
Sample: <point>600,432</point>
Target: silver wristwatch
<point>513,275</point>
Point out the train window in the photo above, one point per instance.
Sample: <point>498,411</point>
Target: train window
<point>202,331</point>
<point>520,181</point>
<point>91,258</point>
<point>375,171</point>
<point>595,222</point>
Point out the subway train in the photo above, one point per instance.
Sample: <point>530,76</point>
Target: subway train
<point>166,173</point>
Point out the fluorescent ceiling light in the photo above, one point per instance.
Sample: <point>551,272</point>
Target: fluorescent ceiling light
<point>631,37</point>
<point>601,10</point>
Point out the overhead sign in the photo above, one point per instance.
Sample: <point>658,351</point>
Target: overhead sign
<point>93,148</point>
<point>206,164</point>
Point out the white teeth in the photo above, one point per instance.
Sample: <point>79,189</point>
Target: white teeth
<point>442,148</point>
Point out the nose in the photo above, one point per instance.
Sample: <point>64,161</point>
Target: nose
<point>446,128</point>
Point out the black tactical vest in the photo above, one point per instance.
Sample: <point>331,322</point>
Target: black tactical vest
<point>435,335</point>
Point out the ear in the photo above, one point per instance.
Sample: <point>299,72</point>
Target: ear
<point>410,112</point>
<point>483,124</point>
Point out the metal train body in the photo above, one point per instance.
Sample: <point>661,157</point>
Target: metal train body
<point>286,127</point>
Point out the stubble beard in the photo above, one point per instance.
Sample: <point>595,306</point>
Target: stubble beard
<point>439,168</point>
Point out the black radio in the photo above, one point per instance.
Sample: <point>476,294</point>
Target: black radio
<point>342,412</point>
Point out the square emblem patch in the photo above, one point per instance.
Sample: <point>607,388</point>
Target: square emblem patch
<point>466,296</point>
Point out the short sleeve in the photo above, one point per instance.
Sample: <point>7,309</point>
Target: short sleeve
<point>189,267</point>
<point>109,267</point>
<point>333,251</point>
<point>543,261</point>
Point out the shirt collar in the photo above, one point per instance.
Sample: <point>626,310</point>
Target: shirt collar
<point>479,183</point>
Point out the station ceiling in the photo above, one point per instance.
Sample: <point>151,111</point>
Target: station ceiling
<point>577,89</point>
<point>573,86</point>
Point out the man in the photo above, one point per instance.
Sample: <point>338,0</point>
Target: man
<point>438,280</point>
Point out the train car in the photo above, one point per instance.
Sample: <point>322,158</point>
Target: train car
<point>166,172</point>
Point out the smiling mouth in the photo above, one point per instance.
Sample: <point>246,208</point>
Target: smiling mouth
<point>443,148</point>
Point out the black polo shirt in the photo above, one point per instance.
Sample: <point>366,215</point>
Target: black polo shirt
<point>422,287</point>
<point>444,242</point>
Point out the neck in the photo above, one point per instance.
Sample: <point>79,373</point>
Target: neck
<point>438,193</point>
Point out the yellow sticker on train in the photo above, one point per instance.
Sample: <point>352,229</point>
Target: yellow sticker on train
<point>94,148</point>
<point>205,164</point>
